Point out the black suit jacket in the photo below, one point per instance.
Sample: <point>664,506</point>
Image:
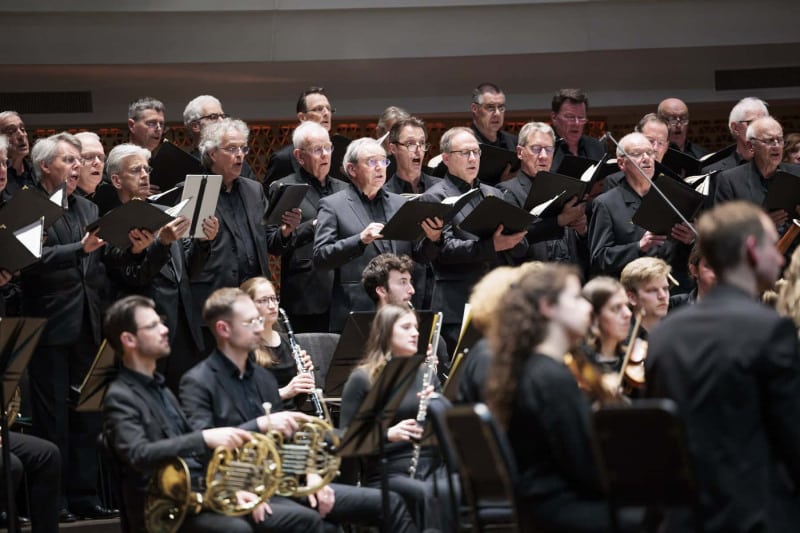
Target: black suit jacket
<point>613,238</point>
<point>222,268</point>
<point>338,247</point>
<point>398,186</point>
<point>281,164</point>
<point>139,435</point>
<point>588,147</point>
<point>732,366</point>
<point>305,290</point>
<point>463,258</point>
<point>744,183</point>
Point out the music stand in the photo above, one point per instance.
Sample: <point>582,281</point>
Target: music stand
<point>450,387</point>
<point>365,433</point>
<point>90,394</point>
<point>352,342</point>
<point>18,340</point>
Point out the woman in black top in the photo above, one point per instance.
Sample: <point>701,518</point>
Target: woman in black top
<point>611,320</point>
<point>536,398</point>
<point>394,334</point>
<point>274,352</point>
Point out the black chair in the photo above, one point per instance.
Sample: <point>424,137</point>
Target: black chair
<point>111,465</point>
<point>320,347</point>
<point>459,513</point>
<point>643,458</point>
<point>487,467</point>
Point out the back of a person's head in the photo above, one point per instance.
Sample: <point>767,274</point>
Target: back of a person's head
<point>722,232</point>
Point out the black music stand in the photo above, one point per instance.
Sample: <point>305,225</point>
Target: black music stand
<point>18,340</point>
<point>450,387</point>
<point>90,394</point>
<point>365,433</point>
<point>352,342</point>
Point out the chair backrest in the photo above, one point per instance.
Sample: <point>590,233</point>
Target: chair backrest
<point>488,469</point>
<point>642,454</point>
<point>109,459</point>
<point>320,347</point>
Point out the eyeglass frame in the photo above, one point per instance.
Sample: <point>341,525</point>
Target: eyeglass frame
<point>268,300</point>
<point>475,152</point>
<point>234,150</point>
<point>319,151</point>
<point>423,147</point>
<point>537,149</point>
<point>774,141</point>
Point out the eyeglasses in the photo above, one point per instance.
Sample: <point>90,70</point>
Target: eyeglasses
<point>268,300</point>
<point>319,150</point>
<point>11,130</point>
<point>375,163</point>
<point>258,321</point>
<point>89,159</point>
<point>213,116</point>
<point>574,118</point>
<point>320,109</point>
<point>774,141</point>
<point>658,142</point>
<point>154,124</point>
<point>413,146</point>
<point>493,108</point>
<point>233,150</point>
<point>639,155</point>
<point>537,149</point>
<point>140,170</point>
<point>677,121</point>
<point>475,152</point>
<point>70,159</point>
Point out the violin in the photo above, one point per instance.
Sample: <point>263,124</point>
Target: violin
<point>631,373</point>
<point>600,386</point>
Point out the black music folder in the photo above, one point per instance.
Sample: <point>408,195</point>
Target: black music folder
<point>783,192</point>
<point>90,394</point>
<point>406,223</point>
<point>27,206</point>
<point>287,197</point>
<point>494,161</point>
<point>200,193</point>
<point>656,216</point>
<point>19,337</point>
<point>550,191</point>
<point>136,214</point>
<point>171,165</point>
<point>490,213</point>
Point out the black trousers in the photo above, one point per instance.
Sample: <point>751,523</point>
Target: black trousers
<point>41,462</point>
<point>52,370</point>
<point>361,506</point>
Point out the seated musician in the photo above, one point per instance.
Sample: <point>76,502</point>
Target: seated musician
<point>228,388</point>
<point>394,333</point>
<point>611,322</point>
<point>646,280</point>
<point>537,400</point>
<point>144,422</point>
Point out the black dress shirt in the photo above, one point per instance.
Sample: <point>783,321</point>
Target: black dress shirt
<point>230,203</point>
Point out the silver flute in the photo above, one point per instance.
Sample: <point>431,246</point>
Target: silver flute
<point>427,379</point>
<point>298,359</point>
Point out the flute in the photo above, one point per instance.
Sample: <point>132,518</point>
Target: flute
<point>298,359</point>
<point>427,379</point>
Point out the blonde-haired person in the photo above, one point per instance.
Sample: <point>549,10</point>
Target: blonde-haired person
<point>394,333</point>
<point>486,297</point>
<point>274,352</point>
<point>788,290</point>
<point>647,282</point>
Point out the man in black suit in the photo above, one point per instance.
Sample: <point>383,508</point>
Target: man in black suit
<point>751,180</point>
<point>464,258</point>
<point>228,388</point>
<point>312,105</point>
<point>70,287</point>
<point>349,229</point>
<point>488,109</point>
<point>145,426</point>
<point>305,290</point>
<point>243,243</point>
<point>568,115</point>
<point>742,115</point>
<point>560,238</point>
<point>732,366</point>
<point>165,272</point>
<point>199,112</point>
<point>408,142</point>
<point>615,241</point>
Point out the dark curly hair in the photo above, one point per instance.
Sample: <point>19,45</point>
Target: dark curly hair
<point>522,327</point>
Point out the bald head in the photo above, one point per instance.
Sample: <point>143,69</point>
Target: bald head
<point>676,114</point>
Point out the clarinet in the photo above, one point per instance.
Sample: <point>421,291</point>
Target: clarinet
<point>301,369</point>
<point>427,379</point>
